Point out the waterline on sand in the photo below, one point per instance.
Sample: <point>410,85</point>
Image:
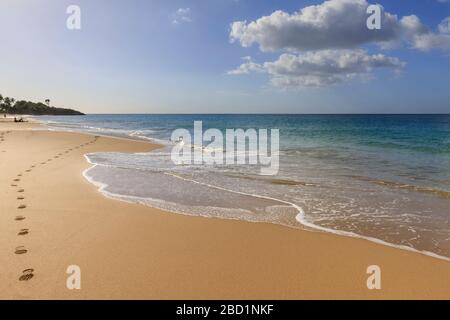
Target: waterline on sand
<point>379,176</point>
<point>300,215</point>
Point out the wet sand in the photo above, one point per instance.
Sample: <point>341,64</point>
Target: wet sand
<point>129,251</point>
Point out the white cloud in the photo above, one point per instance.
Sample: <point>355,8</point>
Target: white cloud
<point>444,26</point>
<point>320,68</point>
<point>323,44</point>
<point>247,67</point>
<point>430,40</point>
<point>334,24</point>
<point>411,26</point>
<point>182,15</point>
<point>331,25</point>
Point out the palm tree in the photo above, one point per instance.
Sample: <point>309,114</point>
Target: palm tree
<point>1,104</point>
<point>47,102</point>
<point>7,104</point>
<point>13,103</point>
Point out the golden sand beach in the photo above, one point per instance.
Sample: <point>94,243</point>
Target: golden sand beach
<point>130,251</point>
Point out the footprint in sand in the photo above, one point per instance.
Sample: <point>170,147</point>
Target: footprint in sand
<point>19,218</point>
<point>27,274</point>
<point>14,185</point>
<point>19,175</point>
<point>29,170</point>
<point>23,232</point>
<point>21,190</point>
<point>43,162</point>
<point>20,198</point>
<point>16,180</point>
<point>20,250</point>
<point>22,206</point>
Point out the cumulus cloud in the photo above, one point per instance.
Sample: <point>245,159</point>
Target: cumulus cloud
<point>412,26</point>
<point>444,26</point>
<point>182,15</point>
<point>330,25</point>
<point>320,68</point>
<point>431,40</point>
<point>322,44</point>
<point>334,24</point>
<point>247,67</point>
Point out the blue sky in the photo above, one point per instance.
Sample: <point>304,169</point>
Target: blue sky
<point>143,56</point>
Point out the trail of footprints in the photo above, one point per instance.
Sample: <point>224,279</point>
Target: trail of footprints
<point>2,139</point>
<point>28,274</point>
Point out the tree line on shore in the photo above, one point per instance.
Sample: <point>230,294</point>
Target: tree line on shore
<point>11,106</point>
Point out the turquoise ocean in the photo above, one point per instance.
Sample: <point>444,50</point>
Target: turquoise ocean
<point>385,178</point>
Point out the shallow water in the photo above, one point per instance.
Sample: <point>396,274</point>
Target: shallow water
<point>386,177</point>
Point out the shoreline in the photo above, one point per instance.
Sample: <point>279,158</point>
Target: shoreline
<point>275,262</point>
<point>300,217</point>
